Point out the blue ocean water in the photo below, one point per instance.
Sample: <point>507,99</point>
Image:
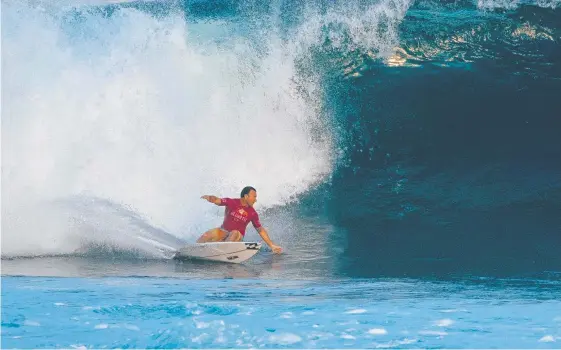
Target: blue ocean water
<point>405,154</point>
<point>134,312</point>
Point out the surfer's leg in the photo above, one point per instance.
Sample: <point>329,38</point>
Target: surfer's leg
<point>234,236</point>
<point>214,235</point>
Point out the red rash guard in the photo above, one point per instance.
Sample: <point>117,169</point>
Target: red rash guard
<point>237,216</point>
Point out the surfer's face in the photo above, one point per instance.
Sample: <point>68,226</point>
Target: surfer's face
<point>251,198</point>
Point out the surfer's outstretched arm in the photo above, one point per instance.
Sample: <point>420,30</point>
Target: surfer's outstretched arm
<point>275,248</point>
<point>212,199</point>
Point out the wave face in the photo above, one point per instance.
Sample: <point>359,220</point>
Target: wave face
<point>420,131</point>
<point>454,142</point>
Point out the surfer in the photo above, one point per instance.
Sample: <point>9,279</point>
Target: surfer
<point>238,214</point>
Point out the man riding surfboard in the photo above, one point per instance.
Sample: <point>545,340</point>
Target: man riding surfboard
<point>238,214</point>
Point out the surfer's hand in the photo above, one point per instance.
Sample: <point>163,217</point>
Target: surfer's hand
<point>276,249</point>
<point>210,199</point>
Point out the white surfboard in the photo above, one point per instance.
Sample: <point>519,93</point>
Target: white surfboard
<point>231,252</point>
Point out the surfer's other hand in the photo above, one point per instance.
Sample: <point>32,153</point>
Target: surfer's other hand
<point>276,249</point>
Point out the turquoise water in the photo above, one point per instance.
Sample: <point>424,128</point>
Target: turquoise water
<point>136,312</point>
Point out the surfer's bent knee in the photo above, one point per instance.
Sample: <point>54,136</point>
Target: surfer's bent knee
<point>214,235</point>
<point>234,236</point>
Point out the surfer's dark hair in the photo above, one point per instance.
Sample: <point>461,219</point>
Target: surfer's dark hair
<point>246,190</point>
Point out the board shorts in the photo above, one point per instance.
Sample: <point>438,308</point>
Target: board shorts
<point>228,232</point>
